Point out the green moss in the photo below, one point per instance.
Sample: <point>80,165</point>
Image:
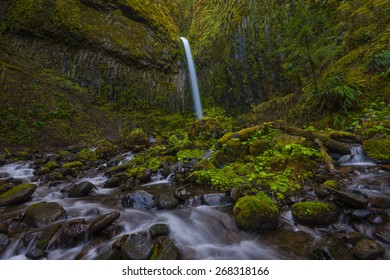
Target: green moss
<point>258,147</point>
<point>256,213</point>
<point>189,154</point>
<point>86,155</point>
<point>51,165</point>
<point>73,164</point>
<point>378,149</point>
<point>206,128</point>
<point>314,213</point>
<point>204,164</point>
<point>330,183</point>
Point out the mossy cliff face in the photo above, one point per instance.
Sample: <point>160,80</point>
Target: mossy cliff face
<point>124,51</point>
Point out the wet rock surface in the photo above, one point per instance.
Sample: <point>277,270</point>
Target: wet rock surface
<point>368,250</point>
<point>331,249</point>
<point>137,247</point>
<point>81,189</point>
<point>43,214</point>
<point>138,200</point>
<point>17,195</point>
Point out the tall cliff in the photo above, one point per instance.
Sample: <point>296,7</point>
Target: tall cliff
<point>120,53</point>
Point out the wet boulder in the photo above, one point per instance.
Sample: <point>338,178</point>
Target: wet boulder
<point>73,233</point>
<point>314,213</point>
<point>137,247</point>
<point>80,190</point>
<point>167,201</point>
<point>138,200</point>
<point>38,242</point>
<point>331,249</point>
<point>101,222</point>
<point>17,195</point>
<point>256,213</point>
<point>4,241</point>
<point>366,249</point>
<point>43,213</point>
<point>113,182</point>
<point>158,230</point>
<point>181,194</point>
<point>350,199</point>
<point>216,199</point>
<point>378,219</point>
<point>165,249</point>
<point>206,128</point>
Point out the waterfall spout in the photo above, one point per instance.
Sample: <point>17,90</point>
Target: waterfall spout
<point>193,79</point>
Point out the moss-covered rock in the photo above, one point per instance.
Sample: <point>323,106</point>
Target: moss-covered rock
<point>72,164</point>
<point>233,150</point>
<point>165,249</point>
<point>136,138</point>
<point>314,213</point>
<point>204,164</point>
<point>330,184</point>
<point>206,128</point>
<point>43,214</point>
<point>256,213</point>
<point>378,149</point>
<point>17,194</point>
<point>258,147</point>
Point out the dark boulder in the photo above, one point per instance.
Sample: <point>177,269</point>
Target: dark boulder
<point>167,201</point>
<point>80,190</point>
<point>158,230</point>
<point>4,241</point>
<point>113,182</point>
<point>138,200</point>
<point>137,247</point>
<point>331,249</point>
<point>350,199</point>
<point>165,249</point>
<point>43,214</point>
<point>101,222</point>
<point>314,213</point>
<point>17,194</point>
<point>366,249</point>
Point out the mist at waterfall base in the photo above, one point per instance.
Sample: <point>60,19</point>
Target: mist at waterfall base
<point>193,78</point>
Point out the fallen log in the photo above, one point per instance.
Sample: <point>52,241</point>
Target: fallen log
<point>330,144</point>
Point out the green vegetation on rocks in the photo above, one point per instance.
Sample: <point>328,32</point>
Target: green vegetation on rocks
<point>17,194</point>
<point>315,213</point>
<point>378,149</point>
<point>256,213</point>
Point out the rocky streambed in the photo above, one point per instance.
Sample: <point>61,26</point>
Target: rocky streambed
<point>70,210</point>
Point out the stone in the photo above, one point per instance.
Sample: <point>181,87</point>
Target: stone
<point>353,237</point>
<point>165,249</point>
<point>101,222</point>
<point>256,213</point>
<point>74,233</point>
<point>360,213</point>
<point>216,199</point>
<point>331,249</point>
<point>380,202</point>
<point>138,200</point>
<point>181,194</point>
<point>3,228</point>
<point>80,190</point>
<point>54,176</point>
<point>36,254</point>
<point>366,249</point>
<point>17,195</point>
<point>350,199</point>
<point>167,201</point>
<point>378,219</point>
<point>43,214</point>
<point>315,213</point>
<point>137,247</point>
<point>158,230</point>
<point>113,182</point>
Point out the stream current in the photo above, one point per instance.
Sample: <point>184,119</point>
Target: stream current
<point>199,231</point>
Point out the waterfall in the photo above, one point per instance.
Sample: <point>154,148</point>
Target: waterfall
<point>357,157</point>
<point>193,79</point>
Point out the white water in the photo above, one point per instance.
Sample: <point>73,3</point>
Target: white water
<point>356,158</point>
<point>19,170</point>
<point>193,78</point>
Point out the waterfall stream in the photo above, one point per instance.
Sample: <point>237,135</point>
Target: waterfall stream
<point>193,78</point>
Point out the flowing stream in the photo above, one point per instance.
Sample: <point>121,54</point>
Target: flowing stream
<point>199,231</point>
